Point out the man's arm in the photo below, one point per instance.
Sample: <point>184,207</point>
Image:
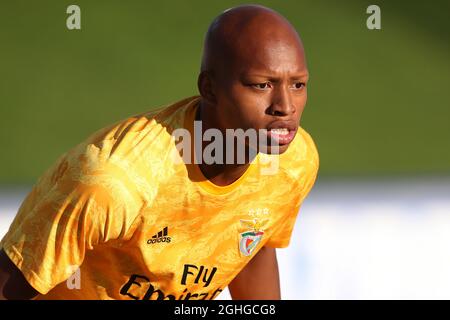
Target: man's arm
<point>13,284</point>
<point>259,280</point>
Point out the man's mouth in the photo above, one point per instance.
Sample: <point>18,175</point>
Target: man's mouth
<point>281,135</point>
<point>282,132</point>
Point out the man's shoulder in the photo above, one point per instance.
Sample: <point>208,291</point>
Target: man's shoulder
<point>302,156</point>
<point>307,144</point>
<point>136,136</point>
<point>154,122</point>
<point>131,149</point>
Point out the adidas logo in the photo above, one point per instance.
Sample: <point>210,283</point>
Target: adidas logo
<point>161,236</point>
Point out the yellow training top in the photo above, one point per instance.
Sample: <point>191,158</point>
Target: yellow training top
<point>117,218</point>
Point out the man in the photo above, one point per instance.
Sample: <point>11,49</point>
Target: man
<point>119,218</point>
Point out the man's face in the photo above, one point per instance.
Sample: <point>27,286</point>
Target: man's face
<point>264,88</point>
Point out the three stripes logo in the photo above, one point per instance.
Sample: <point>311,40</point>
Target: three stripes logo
<point>161,236</point>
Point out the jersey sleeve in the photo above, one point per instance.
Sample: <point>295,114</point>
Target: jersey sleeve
<point>281,236</point>
<point>73,207</point>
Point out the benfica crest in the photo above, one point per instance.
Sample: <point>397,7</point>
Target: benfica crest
<point>251,238</point>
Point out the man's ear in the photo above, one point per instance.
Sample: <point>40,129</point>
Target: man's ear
<point>205,86</point>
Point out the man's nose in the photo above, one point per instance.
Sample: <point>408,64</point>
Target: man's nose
<point>281,102</point>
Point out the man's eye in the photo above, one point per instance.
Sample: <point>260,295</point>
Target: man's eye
<point>299,85</point>
<point>261,86</point>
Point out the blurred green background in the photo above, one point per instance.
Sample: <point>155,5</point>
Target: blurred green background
<point>379,102</point>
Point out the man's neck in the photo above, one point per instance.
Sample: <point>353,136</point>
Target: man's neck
<point>219,174</point>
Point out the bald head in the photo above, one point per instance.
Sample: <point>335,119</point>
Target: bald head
<point>253,73</point>
<point>245,33</point>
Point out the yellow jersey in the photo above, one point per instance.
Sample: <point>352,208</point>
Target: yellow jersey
<point>117,218</point>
